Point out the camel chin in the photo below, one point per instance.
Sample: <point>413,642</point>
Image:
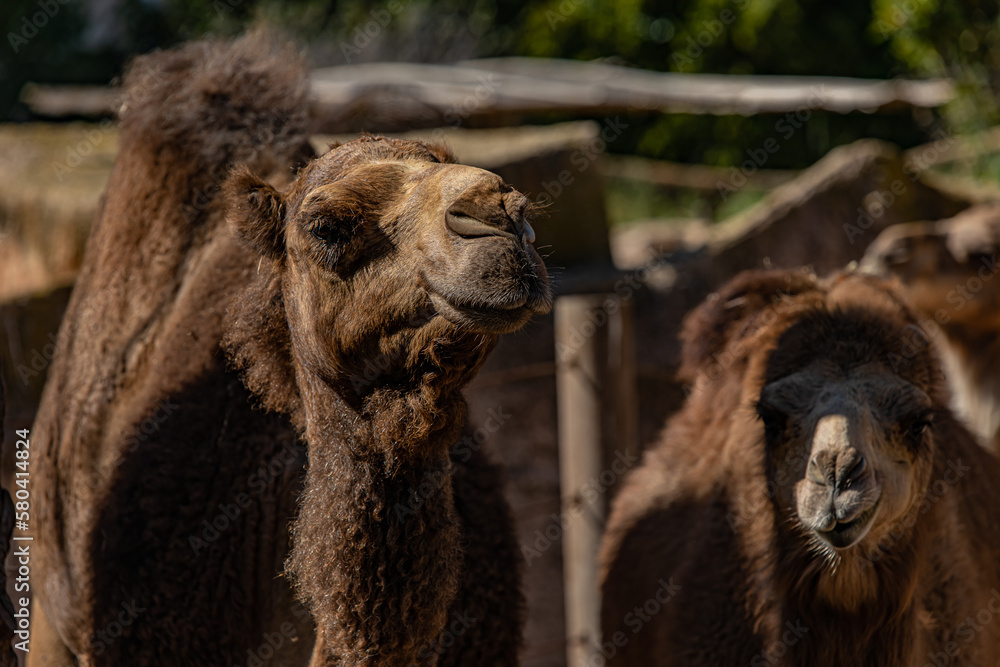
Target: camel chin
<point>845,535</point>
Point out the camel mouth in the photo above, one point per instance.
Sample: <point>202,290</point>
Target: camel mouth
<point>490,318</point>
<point>848,533</point>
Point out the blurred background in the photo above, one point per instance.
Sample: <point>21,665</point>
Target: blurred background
<point>673,144</point>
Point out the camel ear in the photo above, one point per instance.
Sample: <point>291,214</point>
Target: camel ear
<point>708,329</point>
<point>441,152</point>
<point>256,213</point>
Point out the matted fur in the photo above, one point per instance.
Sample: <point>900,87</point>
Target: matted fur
<point>749,586</point>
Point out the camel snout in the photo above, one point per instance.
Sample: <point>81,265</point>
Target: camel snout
<point>491,215</point>
<point>843,491</point>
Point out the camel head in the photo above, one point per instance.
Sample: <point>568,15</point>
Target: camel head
<point>848,406</point>
<point>949,267</point>
<point>393,260</point>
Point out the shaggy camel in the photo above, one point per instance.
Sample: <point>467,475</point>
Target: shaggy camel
<point>352,306</point>
<point>814,503</point>
<point>949,272</point>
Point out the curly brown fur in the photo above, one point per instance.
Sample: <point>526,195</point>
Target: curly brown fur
<point>256,336</point>
<point>709,510</point>
<point>379,579</point>
<point>138,378</point>
<point>211,104</point>
<point>377,582</point>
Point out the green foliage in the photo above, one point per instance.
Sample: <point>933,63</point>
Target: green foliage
<point>959,39</point>
<point>726,36</point>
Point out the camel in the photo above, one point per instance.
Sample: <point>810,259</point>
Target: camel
<point>246,442</point>
<point>948,269</point>
<point>815,501</point>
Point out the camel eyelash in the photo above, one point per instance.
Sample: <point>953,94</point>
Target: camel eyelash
<point>327,243</point>
<point>325,232</point>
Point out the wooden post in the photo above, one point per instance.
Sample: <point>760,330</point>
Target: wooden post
<point>593,364</point>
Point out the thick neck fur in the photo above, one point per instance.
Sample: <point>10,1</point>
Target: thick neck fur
<point>377,551</point>
<point>861,608</point>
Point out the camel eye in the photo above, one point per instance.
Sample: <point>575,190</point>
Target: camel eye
<point>774,421</point>
<point>917,428</point>
<point>325,232</point>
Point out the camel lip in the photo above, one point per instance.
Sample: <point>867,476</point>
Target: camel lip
<point>848,533</point>
<point>498,319</point>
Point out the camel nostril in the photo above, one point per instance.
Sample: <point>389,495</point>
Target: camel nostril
<point>528,233</point>
<point>855,473</point>
<point>468,226</point>
<point>815,472</point>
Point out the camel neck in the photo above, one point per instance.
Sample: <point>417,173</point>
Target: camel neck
<point>404,427</point>
<point>376,550</point>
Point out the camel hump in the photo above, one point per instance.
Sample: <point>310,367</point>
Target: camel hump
<point>218,102</point>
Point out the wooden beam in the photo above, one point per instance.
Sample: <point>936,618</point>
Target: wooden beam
<point>502,90</point>
<point>400,96</point>
<point>57,101</point>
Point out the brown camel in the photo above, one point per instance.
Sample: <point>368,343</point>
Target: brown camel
<point>352,306</point>
<point>949,272</point>
<point>815,502</point>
